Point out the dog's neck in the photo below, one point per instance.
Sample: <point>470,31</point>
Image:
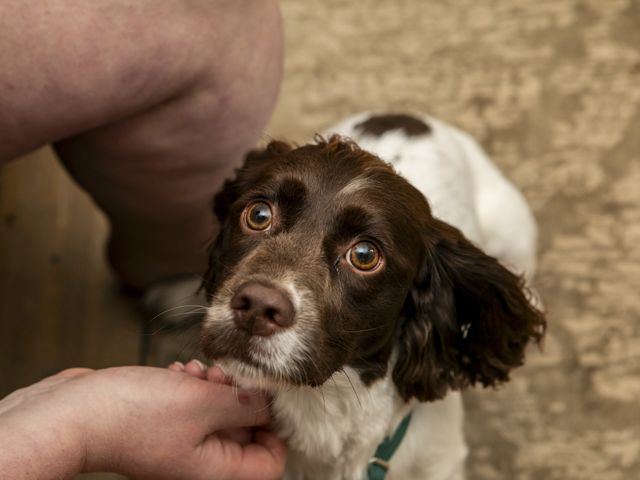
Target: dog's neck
<point>333,430</point>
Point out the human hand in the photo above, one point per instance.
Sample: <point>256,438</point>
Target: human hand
<point>144,423</point>
<point>195,368</point>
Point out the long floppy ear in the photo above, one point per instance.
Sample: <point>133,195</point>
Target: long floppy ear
<point>467,320</point>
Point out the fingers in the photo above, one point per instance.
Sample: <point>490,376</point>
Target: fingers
<point>243,436</point>
<point>195,368</point>
<point>229,407</point>
<point>198,369</point>
<point>216,375</point>
<point>176,366</point>
<point>264,459</point>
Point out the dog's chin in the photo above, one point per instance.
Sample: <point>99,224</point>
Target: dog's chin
<point>251,364</point>
<point>254,377</point>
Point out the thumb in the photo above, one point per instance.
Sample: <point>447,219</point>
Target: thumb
<point>264,459</point>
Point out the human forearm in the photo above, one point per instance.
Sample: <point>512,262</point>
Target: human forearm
<point>143,422</point>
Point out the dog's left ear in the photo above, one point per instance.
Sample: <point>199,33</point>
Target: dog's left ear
<point>467,319</point>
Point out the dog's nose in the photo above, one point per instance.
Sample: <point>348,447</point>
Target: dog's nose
<point>261,309</point>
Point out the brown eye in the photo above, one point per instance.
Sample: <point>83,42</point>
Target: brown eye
<point>364,256</point>
<point>258,216</point>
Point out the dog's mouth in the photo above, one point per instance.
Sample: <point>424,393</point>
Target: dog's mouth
<point>268,365</point>
<point>253,378</point>
<point>253,368</point>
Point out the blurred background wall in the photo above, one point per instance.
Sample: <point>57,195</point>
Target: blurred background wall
<point>550,88</point>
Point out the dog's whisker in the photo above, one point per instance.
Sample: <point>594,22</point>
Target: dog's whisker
<point>340,344</point>
<point>235,391</point>
<point>324,404</point>
<point>352,386</point>
<point>189,344</point>
<point>178,324</point>
<point>168,310</point>
<point>378,327</point>
<point>169,328</point>
<point>195,350</point>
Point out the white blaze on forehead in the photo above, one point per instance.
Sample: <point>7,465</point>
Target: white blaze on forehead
<point>354,185</point>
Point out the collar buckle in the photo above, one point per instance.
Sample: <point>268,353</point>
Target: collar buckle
<point>380,463</point>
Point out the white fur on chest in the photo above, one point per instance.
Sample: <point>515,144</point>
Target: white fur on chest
<point>334,430</point>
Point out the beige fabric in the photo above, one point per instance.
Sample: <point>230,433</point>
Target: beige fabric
<point>552,90</point>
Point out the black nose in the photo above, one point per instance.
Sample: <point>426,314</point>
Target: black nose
<point>261,309</point>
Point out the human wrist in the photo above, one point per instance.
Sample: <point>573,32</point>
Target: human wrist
<point>33,447</point>
<point>101,454</point>
<point>100,424</point>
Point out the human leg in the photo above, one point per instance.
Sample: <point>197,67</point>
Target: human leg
<point>150,105</point>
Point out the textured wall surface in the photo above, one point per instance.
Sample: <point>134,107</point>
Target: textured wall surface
<point>552,91</point>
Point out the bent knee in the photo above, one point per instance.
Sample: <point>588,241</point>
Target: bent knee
<point>230,70</point>
<point>228,48</point>
<point>241,56</point>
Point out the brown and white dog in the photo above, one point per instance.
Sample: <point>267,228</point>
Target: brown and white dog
<point>336,287</point>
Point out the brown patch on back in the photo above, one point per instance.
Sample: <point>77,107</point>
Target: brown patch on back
<point>378,124</point>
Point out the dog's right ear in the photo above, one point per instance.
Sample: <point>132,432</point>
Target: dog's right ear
<point>254,164</point>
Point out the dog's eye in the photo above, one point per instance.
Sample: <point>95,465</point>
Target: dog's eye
<point>364,256</point>
<point>258,216</point>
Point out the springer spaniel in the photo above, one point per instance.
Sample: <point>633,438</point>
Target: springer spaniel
<point>335,287</point>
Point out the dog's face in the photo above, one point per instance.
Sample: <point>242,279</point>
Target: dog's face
<point>327,258</point>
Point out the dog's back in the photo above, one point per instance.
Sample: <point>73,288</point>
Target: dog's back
<point>463,186</point>
<point>465,189</point>
<point>333,287</point>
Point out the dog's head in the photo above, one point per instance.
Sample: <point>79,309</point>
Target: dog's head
<point>327,258</point>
